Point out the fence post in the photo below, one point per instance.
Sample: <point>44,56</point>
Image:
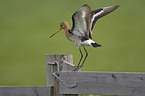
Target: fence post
<point>51,80</point>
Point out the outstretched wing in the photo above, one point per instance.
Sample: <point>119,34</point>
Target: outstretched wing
<point>99,13</point>
<point>81,21</point>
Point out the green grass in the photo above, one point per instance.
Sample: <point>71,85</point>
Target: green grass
<point>25,27</point>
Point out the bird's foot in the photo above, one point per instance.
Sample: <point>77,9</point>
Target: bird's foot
<point>77,68</point>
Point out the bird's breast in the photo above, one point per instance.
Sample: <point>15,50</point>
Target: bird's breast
<point>73,38</point>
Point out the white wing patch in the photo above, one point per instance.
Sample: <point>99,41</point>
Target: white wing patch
<point>84,25</point>
<point>97,14</point>
<point>94,16</point>
<point>84,14</point>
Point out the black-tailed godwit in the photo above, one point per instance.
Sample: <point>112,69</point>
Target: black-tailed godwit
<point>84,21</point>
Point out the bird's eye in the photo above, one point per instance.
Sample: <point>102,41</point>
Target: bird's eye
<point>61,25</point>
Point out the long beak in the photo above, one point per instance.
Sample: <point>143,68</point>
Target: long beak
<point>55,32</point>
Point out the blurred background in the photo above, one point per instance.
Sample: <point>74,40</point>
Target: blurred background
<point>25,27</point>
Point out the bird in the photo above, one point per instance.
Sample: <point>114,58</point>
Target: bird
<point>83,23</point>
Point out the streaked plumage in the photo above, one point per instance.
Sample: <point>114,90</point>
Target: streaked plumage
<point>84,21</point>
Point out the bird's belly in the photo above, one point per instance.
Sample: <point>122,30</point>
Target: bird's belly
<point>76,40</point>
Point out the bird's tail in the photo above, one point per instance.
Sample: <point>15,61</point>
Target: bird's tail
<point>92,43</point>
<point>95,45</point>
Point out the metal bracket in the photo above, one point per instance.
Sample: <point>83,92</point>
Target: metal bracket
<point>69,85</point>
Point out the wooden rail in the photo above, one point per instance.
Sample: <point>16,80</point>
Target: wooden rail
<point>104,83</point>
<point>97,83</point>
<point>26,91</point>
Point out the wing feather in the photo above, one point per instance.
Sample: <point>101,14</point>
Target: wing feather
<point>99,13</point>
<point>81,21</point>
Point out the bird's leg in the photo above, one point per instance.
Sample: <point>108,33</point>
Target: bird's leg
<point>85,57</point>
<point>77,68</point>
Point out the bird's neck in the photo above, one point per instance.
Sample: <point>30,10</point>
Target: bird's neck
<point>67,28</point>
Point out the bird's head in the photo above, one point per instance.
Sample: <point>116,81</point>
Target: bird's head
<point>63,25</point>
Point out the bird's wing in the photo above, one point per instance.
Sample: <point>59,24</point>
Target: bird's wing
<point>81,21</point>
<point>99,13</point>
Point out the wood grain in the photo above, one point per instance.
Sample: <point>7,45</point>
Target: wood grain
<point>104,83</point>
<point>25,91</point>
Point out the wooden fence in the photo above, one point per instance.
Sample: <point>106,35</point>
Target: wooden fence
<point>61,81</point>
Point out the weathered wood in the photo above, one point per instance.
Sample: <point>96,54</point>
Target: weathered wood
<point>25,91</point>
<point>104,83</point>
<point>61,59</point>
